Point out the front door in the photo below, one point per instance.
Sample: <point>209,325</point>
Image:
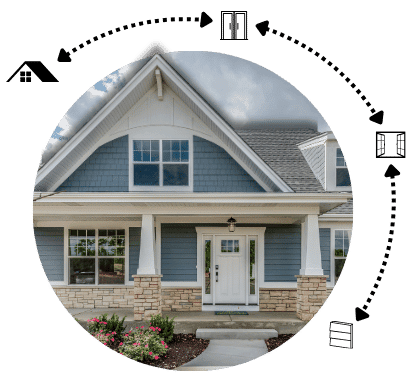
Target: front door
<point>230,270</point>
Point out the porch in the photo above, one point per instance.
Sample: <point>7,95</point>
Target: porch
<point>188,322</point>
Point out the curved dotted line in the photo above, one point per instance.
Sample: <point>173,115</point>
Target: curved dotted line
<point>132,26</point>
<point>329,63</point>
<point>388,248</point>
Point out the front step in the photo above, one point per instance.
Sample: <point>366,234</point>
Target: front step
<point>236,334</point>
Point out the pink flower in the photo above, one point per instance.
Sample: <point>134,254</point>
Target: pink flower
<point>105,343</point>
<point>156,357</point>
<point>112,339</point>
<point>120,343</point>
<point>150,353</point>
<point>142,327</point>
<point>134,344</point>
<point>162,342</point>
<point>166,346</point>
<point>139,344</point>
<point>113,333</point>
<point>136,327</point>
<point>146,346</point>
<point>104,323</point>
<point>101,331</point>
<point>107,334</point>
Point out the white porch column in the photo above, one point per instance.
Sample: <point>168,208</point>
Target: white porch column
<point>146,264</point>
<point>310,247</point>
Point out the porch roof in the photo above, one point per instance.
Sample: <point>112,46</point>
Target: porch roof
<point>187,203</point>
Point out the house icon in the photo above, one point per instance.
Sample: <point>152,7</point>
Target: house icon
<point>33,67</point>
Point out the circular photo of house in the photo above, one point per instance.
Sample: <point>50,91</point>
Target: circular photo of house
<point>190,204</point>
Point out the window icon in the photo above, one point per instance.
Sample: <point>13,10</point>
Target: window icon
<point>234,25</point>
<point>25,76</point>
<point>390,145</point>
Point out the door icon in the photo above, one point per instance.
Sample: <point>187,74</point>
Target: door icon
<point>234,25</point>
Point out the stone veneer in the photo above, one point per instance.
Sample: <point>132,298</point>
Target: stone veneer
<point>181,299</point>
<point>311,295</point>
<point>277,299</point>
<point>147,296</point>
<point>95,296</point>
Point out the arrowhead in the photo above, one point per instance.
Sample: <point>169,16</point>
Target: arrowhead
<point>391,172</point>
<point>64,56</point>
<point>361,315</point>
<point>263,27</point>
<point>377,117</point>
<point>204,20</point>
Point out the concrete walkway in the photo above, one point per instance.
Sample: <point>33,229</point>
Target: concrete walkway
<point>226,353</point>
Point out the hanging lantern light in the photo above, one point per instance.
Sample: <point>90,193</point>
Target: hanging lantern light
<point>231,224</point>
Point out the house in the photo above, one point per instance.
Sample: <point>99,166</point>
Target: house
<point>158,204</point>
<point>33,67</point>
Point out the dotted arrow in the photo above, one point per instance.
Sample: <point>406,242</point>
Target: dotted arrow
<point>263,28</point>
<point>65,56</point>
<point>361,314</point>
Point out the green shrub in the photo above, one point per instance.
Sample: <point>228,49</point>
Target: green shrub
<point>108,331</point>
<point>142,345</point>
<point>165,324</point>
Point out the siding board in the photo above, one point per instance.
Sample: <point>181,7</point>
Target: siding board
<point>49,243</point>
<point>134,251</point>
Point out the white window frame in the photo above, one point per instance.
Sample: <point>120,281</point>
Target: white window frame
<point>333,254</point>
<point>96,257</point>
<point>160,187</point>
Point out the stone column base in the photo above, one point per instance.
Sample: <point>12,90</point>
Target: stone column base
<point>311,295</point>
<point>147,296</point>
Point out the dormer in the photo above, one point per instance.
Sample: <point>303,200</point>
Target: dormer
<point>326,160</point>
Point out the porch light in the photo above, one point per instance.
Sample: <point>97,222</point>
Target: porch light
<point>231,224</point>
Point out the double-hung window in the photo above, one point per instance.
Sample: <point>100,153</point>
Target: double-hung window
<point>161,163</point>
<point>342,173</point>
<point>341,249</point>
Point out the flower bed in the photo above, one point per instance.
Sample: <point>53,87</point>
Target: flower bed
<point>273,343</point>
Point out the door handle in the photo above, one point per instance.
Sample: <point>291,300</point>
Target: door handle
<point>217,276</point>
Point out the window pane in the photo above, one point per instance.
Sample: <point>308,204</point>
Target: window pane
<point>111,271</point>
<point>81,233</point>
<point>155,146</point>
<point>175,156</point>
<point>176,175</point>
<point>338,253</point>
<point>137,156</point>
<point>82,271</point>
<point>207,266</point>
<point>154,156</point>
<point>184,156</point>
<point>340,162</point>
<point>252,267</point>
<point>146,145</point>
<point>120,251</point>
<point>146,156</point>
<point>338,267</point>
<point>342,177</point>
<point>175,145</point>
<point>166,156</point>
<point>166,146</point>
<point>184,145</point>
<point>137,145</point>
<point>146,175</point>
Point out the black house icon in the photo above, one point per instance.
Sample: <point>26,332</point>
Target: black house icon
<point>34,67</point>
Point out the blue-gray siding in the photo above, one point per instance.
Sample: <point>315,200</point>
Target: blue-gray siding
<point>214,170</point>
<point>282,255</point>
<point>50,243</point>
<point>316,157</point>
<point>105,170</point>
<point>325,251</point>
<point>134,254</point>
<point>178,252</point>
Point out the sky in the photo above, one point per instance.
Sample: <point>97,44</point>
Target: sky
<point>243,93</point>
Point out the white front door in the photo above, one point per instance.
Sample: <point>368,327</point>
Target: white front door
<point>230,270</point>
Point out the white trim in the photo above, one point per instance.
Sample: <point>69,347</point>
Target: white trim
<point>247,308</point>
<point>314,141</point>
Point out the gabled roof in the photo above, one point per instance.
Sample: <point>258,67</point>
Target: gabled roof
<point>75,150</point>
<point>39,69</point>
